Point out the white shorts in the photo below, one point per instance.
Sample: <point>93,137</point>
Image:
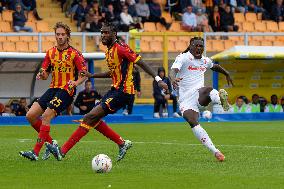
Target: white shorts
<point>190,101</point>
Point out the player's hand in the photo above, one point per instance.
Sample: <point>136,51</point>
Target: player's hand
<point>139,94</point>
<point>229,80</point>
<point>83,108</point>
<point>167,96</point>
<point>41,74</point>
<point>163,85</point>
<point>72,84</point>
<point>85,73</point>
<point>175,82</point>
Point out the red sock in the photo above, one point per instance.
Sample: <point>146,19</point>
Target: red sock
<point>42,136</point>
<point>75,137</point>
<point>109,133</point>
<point>37,125</point>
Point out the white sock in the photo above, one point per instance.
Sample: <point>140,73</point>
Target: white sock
<point>202,136</point>
<point>215,98</point>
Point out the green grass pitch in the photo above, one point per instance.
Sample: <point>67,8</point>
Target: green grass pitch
<point>164,156</point>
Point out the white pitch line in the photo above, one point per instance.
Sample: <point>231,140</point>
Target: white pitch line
<point>179,144</point>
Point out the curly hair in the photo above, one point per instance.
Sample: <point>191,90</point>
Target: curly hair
<point>110,25</point>
<point>64,26</point>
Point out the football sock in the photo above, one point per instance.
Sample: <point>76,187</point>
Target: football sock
<point>42,136</point>
<point>202,136</point>
<point>75,137</point>
<point>109,133</point>
<point>214,96</point>
<point>37,125</point>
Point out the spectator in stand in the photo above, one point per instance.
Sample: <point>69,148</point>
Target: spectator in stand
<point>31,5</point>
<point>215,19</point>
<point>282,102</point>
<point>202,22</point>
<point>115,3</point>
<point>228,21</point>
<point>143,11</point>
<point>131,8</point>
<point>87,98</point>
<point>277,12</point>
<point>254,106</point>
<point>196,4</point>
<point>23,108</point>
<point>274,106</point>
<point>92,24</point>
<point>19,20</point>
<point>96,8</point>
<point>156,14</point>
<point>161,97</point>
<point>112,16</point>
<point>127,20</point>
<point>137,87</point>
<point>12,4</point>
<point>81,13</point>
<point>1,7</point>
<point>189,20</point>
<point>262,102</point>
<point>8,111</point>
<point>239,106</point>
<point>253,6</point>
<point>241,6</point>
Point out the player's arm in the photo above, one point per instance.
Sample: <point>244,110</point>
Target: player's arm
<point>98,75</point>
<point>150,71</point>
<point>173,77</point>
<point>220,69</point>
<point>45,68</point>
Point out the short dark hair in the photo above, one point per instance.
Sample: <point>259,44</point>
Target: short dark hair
<point>64,26</point>
<point>254,95</point>
<point>110,25</point>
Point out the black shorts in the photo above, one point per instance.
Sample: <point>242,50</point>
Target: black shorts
<point>114,100</point>
<point>56,99</point>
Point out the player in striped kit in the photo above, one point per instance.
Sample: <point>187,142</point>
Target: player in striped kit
<point>65,64</point>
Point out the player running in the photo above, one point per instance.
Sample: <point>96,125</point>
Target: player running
<point>187,74</point>
<point>120,60</point>
<point>64,63</point>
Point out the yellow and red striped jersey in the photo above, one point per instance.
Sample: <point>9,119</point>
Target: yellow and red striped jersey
<point>64,65</point>
<point>120,60</point>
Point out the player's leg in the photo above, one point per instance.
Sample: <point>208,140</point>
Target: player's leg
<point>33,116</point>
<point>208,94</point>
<point>192,117</point>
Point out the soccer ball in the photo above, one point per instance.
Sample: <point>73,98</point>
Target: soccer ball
<point>101,163</point>
<point>207,115</point>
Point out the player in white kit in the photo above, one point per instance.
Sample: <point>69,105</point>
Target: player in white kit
<point>187,75</point>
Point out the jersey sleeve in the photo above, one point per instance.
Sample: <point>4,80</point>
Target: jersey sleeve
<point>80,62</point>
<point>208,62</point>
<point>125,51</point>
<point>178,62</point>
<point>46,62</point>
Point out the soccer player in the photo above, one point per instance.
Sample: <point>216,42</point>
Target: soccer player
<point>65,64</point>
<point>187,74</point>
<point>120,60</point>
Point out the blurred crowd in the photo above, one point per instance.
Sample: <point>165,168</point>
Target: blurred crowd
<point>255,105</point>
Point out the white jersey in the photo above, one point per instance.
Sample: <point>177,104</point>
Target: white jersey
<point>192,71</point>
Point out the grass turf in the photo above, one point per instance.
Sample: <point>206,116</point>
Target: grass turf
<point>164,155</point>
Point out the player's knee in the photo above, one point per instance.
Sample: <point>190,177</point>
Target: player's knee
<point>90,119</point>
<point>31,117</point>
<point>48,115</point>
